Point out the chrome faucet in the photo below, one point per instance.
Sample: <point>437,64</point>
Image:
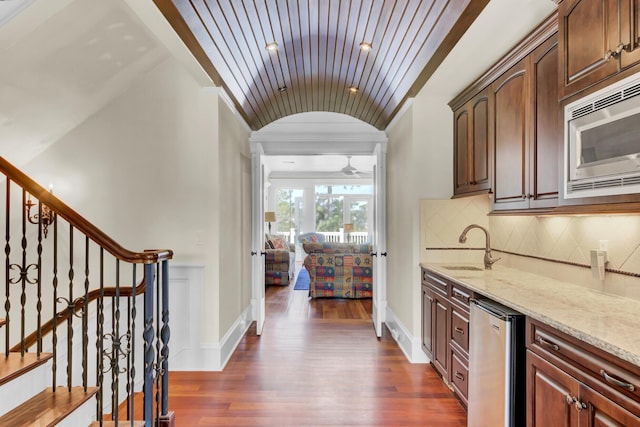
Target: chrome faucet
<point>488,260</point>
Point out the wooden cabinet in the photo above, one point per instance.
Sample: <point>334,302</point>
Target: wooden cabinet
<point>526,132</point>
<point>445,329</point>
<point>570,383</point>
<point>471,149</point>
<point>599,38</point>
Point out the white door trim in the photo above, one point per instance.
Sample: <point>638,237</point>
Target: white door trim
<point>257,238</point>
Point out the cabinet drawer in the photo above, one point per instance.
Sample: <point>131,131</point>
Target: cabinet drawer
<point>461,295</point>
<point>459,376</point>
<point>605,369</point>
<point>437,283</point>
<point>460,329</point>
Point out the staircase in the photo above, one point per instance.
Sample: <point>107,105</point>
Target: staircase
<point>84,323</point>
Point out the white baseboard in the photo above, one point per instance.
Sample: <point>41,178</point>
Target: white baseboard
<point>411,346</point>
<point>212,357</point>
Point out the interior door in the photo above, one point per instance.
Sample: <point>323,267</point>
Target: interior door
<point>257,239</point>
<point>379,240</point>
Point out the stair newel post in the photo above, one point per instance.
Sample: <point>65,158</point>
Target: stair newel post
<point>148,336</point>
<point>164,335</point>
<point>7,252</point>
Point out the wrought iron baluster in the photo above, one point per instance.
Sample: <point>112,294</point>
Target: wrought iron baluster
<point>132,355</point>
<point>70,316</point>
<point>22,279</point>
<point>129,387</point>
<point>39,283</point>
<point>54,338</point>
<point>85,318</point>
<point>148,335</point>
<point>100,342</point>
<point>165,334</point>
<point>7,252</point>
<point>158,370</point>
<point>115,346</point>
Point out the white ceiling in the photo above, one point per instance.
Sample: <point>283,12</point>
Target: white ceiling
<point>62,61</point>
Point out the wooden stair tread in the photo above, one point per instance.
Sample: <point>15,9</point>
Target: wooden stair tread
<point>121,423</point>
<point>15,364</point>
<point>47,408</point>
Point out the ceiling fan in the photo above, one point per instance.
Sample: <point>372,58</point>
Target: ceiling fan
<point>350,170</point>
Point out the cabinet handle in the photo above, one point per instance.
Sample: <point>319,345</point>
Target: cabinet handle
<point>569,399</point>
<point>580,405</point>
<point>548,344</point>
<point>459,376</point>
<point>459,330</point>
<point>610,54</point>
<point>622,47</point>
<point>459,295</point>
<point>524,196</point>
<point>611,380</point>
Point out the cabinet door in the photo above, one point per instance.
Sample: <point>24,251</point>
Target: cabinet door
<point>630,32</point>
<point>546,135</point>
<point>510,139</point>
<point>588,30</point>
<point>471,149</point>
<point>598,411</point>
<point>480,141</point>
<point>441,340</point>
<point>427,321</point>
<point>461,151</point>
<point>550,393</point>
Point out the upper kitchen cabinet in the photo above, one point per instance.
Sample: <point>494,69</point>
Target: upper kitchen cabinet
<point>598,38</point>
<point>526,132</point>
<point>510,94</point>
<point>471,151</point>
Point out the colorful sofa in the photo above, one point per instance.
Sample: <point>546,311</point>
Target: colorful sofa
<point>339,270</point>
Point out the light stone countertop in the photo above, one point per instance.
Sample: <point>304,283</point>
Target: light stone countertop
<point>605,321</point>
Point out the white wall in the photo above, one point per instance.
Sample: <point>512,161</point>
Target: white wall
<point>153,169</point>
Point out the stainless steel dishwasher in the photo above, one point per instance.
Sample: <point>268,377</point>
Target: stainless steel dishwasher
<point>497,370</point>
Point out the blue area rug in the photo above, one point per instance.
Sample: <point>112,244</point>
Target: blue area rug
<point>302,282</point>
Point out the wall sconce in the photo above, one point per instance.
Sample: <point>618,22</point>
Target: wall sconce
<point>348,228</point>
<point>269,217</point>
<point>46,216</point>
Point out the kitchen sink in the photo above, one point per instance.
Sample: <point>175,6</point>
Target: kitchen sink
<point>462,267</point>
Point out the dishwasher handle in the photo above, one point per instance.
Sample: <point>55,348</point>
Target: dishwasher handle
<point>488,309</point>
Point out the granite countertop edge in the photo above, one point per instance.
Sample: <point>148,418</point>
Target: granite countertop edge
<point>626,347</point>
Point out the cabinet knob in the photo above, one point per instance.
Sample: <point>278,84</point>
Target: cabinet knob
<point>580,405</point>
<point>610,54</point>
<point>569,399</point>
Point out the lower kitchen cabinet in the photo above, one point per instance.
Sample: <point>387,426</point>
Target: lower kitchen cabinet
<point>445,329</point>
<point>570,383</point>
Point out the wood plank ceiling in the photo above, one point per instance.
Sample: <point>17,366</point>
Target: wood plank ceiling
<point>319,56</point>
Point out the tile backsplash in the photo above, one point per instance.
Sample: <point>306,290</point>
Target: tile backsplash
<point>561,238</point>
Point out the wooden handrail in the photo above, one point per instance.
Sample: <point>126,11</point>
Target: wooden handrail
<point>79,222</point>
<point>63,315</point>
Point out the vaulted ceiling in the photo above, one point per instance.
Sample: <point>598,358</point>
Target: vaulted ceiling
<point>319,64</point>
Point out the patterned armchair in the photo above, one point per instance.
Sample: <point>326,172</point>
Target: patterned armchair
<point>279,261</point>
<point>339,270</point>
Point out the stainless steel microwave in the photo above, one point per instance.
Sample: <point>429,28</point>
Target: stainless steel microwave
<point>602,142</point>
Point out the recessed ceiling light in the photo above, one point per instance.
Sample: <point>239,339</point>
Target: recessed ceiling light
<point>353,89</point>
<point>365,46</point>
<point>282,88</point>
<point>271,47</point>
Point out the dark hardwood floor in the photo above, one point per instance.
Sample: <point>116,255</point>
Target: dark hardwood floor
<point>317,363</point>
